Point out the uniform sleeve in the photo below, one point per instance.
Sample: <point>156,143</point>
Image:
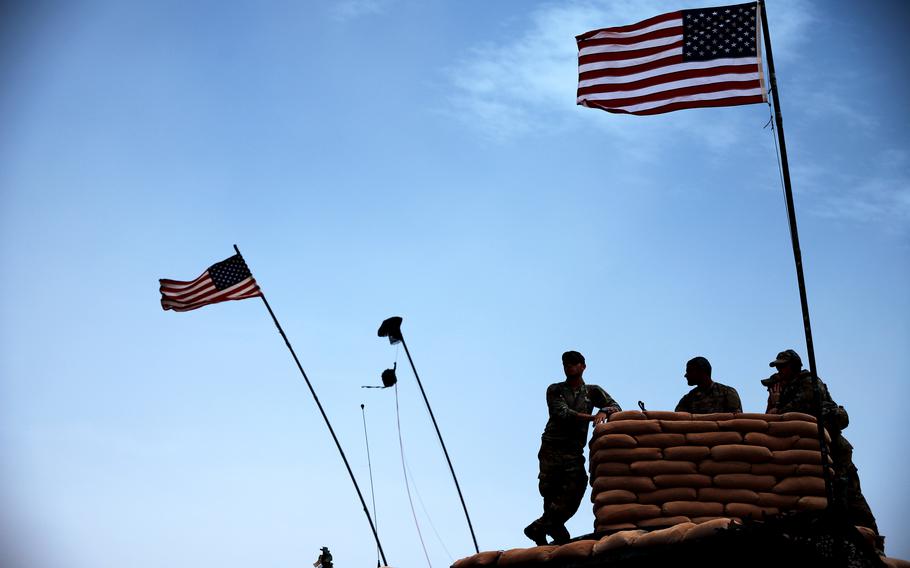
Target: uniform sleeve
<point>835,417</point>
<point>733,402</point>
<point>683,404</point>
<point>605,402</point>
<point>557,405</point>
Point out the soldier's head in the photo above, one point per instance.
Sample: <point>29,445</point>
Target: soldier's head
<point>698,371</point>
<point>787,363</point>
<point>573,363</point>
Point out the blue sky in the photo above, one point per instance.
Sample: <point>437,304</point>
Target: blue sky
<point>424,159</point>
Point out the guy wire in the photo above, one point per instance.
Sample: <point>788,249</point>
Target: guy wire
<point>407,486</point>
<point>780,167</point>
<point>427,513</point>
<point>363,414</point>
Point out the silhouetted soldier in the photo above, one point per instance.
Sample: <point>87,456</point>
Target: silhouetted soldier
<point>562,478</point>
<point>791,389</point>
<point>707,396</point>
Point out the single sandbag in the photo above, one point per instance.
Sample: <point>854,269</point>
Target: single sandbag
<point>619,539</point>
<point>721,495</point>
<point>800,416</point>
<point>686,426</point>
<point>660,440</point>
<point>744,425</point>
<point>611,468</point>
<point>756,416</point>
<point>700,520</point>
<point>613,497</point>
<point>777,501</point>
<point>662,496</point>
<point>577,550</point>
<point>745,481</point>
<point>810,469</point>
<point>692,509</point>
<point>793,428</point>
<point>869,535</point>
<point>707,529</point>
<point>741,452</point>
<point>778,470</point>
<point>806,485</point>
<point>612,441</point>
<point>612,528</point>
<point>627,513</point>
<point>635,484</point>
<point>811,503</point>
<point>683,480</point>
<point>807,444</point>
<point>627,455</point>
<point>628,415</point>
<point>663,522</point>
<point>714,416</point>
<point>663,537</point>
<point>773,443</point>
<point>711,467</point>
<point>747,510</point>
<point>630,427</point>
<point>687,453</point>
<point>797,456</point>
<point>533,555</point>
<point>662,467</point>
<point>713,438</point>
<point>667,415</point>
<point>487,558</point>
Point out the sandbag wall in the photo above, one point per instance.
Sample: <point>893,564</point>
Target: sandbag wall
<point>656,469</point>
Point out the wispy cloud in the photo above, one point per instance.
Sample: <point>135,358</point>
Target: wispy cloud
<point>350,9</point>
<point>881,196</point>
<point>527,82</point>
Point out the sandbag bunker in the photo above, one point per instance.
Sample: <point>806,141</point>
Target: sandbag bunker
<point>669,478</point>
<point>657,469</point>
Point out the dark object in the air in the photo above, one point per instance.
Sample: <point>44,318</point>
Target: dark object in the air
<point>391,328</point>
<point>388,377</point>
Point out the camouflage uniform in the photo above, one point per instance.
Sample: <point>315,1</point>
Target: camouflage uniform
<point>562,478</point>
<point>798,395</point>
<point>714,398</point>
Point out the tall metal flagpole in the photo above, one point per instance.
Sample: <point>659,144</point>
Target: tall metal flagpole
<point>391,328</point>
<point>327,423</point>
<point>797,255</point>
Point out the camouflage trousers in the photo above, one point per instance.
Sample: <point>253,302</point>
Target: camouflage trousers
<point>846,485</point>
<point>562,483</point>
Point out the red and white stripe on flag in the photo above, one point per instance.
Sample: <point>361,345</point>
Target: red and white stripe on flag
<point>686,59</point>
<point>229,279</point>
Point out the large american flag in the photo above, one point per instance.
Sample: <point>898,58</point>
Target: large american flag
<point>686,59</point>
<point>229,279</point>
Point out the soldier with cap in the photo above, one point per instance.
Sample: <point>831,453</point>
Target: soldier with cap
<point>792,389</point>
<point>707,396</point>
<point>562,478</point>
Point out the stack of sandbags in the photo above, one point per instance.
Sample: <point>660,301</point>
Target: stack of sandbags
<point>657,469</point>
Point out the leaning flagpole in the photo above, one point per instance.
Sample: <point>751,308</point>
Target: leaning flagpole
<point>326,418</point>
<point>797,255</point>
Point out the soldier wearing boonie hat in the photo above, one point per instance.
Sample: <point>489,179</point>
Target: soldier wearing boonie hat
<point>792,389</point>
<point>562,480</point>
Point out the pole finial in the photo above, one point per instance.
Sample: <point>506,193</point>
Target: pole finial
<point>391,328</point>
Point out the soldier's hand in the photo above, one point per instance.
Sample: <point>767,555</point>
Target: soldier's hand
<point>600,418</point>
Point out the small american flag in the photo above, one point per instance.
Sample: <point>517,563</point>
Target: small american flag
<point>687,59</point>
<point>229,279</point>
